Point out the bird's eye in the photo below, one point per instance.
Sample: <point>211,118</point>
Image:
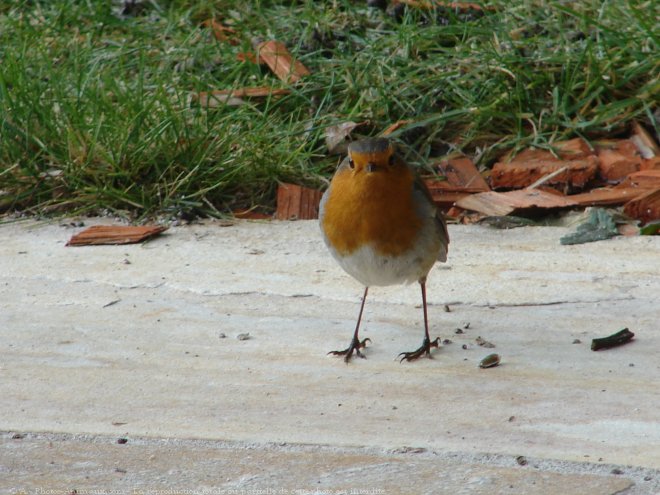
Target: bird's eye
<point>391,162</point>
<point>351,163</point>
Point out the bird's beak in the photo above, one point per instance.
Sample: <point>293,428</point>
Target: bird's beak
<point>371,167</point>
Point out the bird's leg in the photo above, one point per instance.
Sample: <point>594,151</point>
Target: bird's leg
<point>425,349</point>
<point>356,345</point>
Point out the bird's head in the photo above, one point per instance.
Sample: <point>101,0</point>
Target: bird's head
<point>371,155</point>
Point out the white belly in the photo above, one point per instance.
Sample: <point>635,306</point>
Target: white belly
<point>371,268</point>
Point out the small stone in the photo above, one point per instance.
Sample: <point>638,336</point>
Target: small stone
<point>243,336</point>
<point>122,441</point>
<point>577,341</point>
<point>484,343</point>
<point>521,460</point>
<point>446,308</point>
<point>458,331</point>
<point>222,335</point>
<point>18,436</point>
<point>616,471</point>
<point>490,361</point>
<point>446,342</point>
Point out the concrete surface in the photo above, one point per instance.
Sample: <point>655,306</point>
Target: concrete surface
<point>127,341</point>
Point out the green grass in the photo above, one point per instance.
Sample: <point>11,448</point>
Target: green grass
<point>96,113</point>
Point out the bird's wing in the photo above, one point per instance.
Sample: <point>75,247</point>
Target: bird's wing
<point>420,189</point>
<point>342,166</point>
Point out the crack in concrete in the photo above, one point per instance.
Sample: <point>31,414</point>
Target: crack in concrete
<point>551,303</point>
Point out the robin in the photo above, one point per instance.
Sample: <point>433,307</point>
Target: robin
<point>380,224</point>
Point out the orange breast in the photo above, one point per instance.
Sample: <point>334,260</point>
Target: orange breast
<point>371,208</point>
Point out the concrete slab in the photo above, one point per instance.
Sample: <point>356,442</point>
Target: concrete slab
<point>61,464</point>
<point>127,340</point>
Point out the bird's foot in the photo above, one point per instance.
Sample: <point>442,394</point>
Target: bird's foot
<point>355,346</point>
<point>425,349</point>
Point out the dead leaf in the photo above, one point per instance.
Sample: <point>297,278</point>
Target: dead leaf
<point>393,127</point>
<point>234,97</point>
<point>575,157</point>
<point>297,203</point>
<point>114,234</point>
<point>222,33</point>
<point>644,179</point>
<point>645,143</point>
<point>246,57</point>
<point>208,99</point>
<point>645,207</point>
<point>617,159</point>
<point>337,137</point>
<point>251,215</point>
<point>434,4</point>
<point>278,58</point>
<point>498,204</point>
<point>461,178</point>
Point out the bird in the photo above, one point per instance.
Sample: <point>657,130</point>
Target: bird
<point>380,224</point>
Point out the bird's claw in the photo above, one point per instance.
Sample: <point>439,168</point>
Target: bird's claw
<point>355,346</point>
<point>425,349</point>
